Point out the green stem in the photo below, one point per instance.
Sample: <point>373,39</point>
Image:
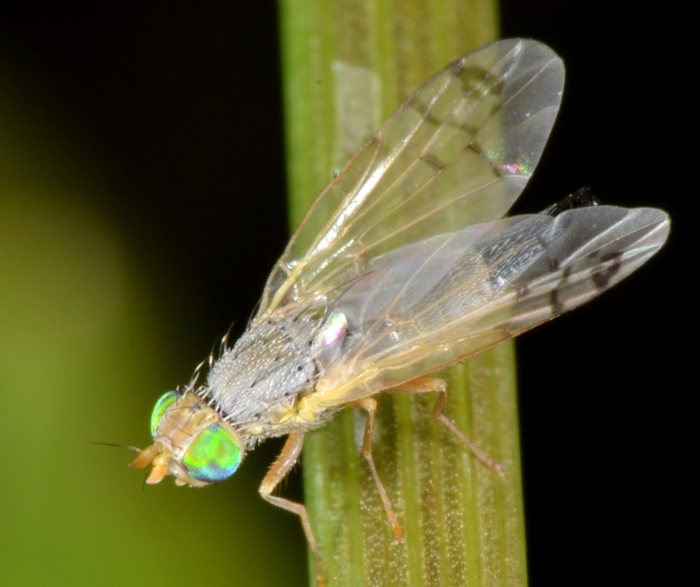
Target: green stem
<point>347,66</point>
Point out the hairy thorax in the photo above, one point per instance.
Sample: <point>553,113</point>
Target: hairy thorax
<point>258,384</point>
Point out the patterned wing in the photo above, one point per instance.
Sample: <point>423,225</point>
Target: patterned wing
<point>457,152</point>
<point>430,304</point>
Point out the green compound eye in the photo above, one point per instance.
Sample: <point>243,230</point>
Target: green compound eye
<point>165,401</point>
<point>213,456</point>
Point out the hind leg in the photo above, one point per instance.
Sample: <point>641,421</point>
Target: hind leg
<point>426,385</point>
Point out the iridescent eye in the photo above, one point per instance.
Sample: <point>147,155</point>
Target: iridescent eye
<point>213,456</point>
<point>165,401</point>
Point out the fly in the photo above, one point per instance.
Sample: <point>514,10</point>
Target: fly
<point>417,267</point>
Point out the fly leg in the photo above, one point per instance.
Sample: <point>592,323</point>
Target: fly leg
<point>370,406</point>
<point>427,384</point>
<point>279,470</point>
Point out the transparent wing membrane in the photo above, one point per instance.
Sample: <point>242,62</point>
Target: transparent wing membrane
<point>457,152</point>
<point>437,302</point>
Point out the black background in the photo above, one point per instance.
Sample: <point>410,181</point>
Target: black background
<point>184,101</point>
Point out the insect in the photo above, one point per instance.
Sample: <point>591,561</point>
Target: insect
<point>416,268</point>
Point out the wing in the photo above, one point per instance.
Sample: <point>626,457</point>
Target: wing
<point>457,152</point>
<point>434,303</point>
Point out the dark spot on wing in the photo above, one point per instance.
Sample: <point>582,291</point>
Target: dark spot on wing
<point>432,163</point>
<point>555,302</point>
<point>475,83</point>
<point>611,264</point>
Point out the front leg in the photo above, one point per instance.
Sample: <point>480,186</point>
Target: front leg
<point>279,470</point>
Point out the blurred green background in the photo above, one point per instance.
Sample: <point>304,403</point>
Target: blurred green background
<point>106,206</point>
<point>141,208</point>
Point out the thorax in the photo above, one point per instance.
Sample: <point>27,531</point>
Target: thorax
<point>257,384</point>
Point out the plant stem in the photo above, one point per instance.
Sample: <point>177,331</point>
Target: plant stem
<point>347,66</point>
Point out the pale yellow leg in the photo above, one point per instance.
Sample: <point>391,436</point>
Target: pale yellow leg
<point>370,406</point>
<point>279,470</point>
<point>427,384</point>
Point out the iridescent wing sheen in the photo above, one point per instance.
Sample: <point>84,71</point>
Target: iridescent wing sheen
<point>457,152</point>
<point>430,304</point>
